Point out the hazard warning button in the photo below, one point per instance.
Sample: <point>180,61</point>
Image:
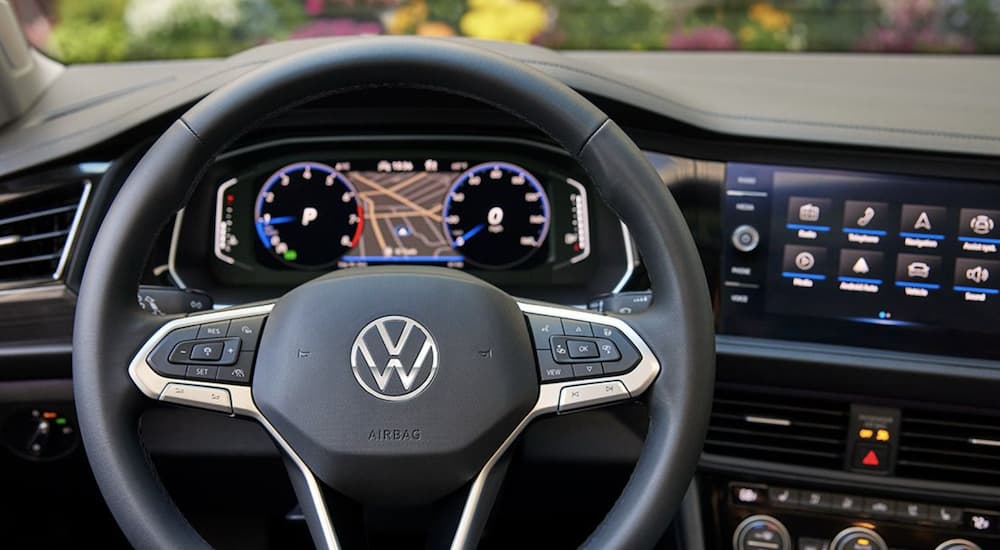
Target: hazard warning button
<point>873,458</point>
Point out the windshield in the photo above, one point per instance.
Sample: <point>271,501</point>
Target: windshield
<point>87,31</point>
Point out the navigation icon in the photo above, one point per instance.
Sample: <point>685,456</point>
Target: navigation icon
<point>923,219</point>
<point>923,222</point>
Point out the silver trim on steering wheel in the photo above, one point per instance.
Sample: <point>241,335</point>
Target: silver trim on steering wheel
<point>619,388</point>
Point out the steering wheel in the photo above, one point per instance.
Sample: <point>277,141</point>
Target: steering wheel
<point>393,386</point>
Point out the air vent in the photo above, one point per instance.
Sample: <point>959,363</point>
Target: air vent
<point>948,446</point>
<point>778,428</point>
<point>36,223</point>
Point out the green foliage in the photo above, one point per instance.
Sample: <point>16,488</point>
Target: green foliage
<point>109,30</point>
<point>609,25</point>
<point>116,30</point>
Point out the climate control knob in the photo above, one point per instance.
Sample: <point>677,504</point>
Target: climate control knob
<point>858,538</point>
<point>757,532</point>
<point>958,544</point>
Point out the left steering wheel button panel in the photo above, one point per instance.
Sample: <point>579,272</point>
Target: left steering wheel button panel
<point>216,399</point>
<point>160,358</point>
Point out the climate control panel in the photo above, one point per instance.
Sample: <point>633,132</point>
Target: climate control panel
<point>758,515</point>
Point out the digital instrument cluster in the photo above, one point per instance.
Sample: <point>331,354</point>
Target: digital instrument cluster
<point>316,215</point>
<point>286,211</point>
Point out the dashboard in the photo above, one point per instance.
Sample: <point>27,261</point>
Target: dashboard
<point>852,258</point>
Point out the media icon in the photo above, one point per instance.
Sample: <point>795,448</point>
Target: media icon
<point>809,212</point>
<point>805,261</point>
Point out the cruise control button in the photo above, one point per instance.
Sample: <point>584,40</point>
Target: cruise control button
<point>181,353</point>
<point>542,327</point>
<point>230,351</point>
<point>158,359</point>
<point>629,355</point>
<point>576,328</point>
<point>202,372</point>
<point>247,330</point>
<point>207,351</point>
<point>582,349</point>
<point>214,330</point>
<point>583,370</point>
<point>216,399</point>
<point>588,395</point>
<point>240,372</point>
<point>549,370</point>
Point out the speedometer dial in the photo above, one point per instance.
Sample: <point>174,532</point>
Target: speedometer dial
<point>496,214</point>
<point>307,215</point>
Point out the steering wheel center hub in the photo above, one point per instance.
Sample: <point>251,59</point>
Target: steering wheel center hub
<point>412,376</point>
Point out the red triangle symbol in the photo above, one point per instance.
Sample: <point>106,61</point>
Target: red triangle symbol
<point>870,459</point>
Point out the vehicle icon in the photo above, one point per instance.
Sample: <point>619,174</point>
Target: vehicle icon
<point>918,270</point>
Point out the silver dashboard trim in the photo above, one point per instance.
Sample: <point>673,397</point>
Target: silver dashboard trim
<point>583,221</point>
<point>172,253</point>
<point>73,227</point>
<point>217,246</point>
<point>630,261</point>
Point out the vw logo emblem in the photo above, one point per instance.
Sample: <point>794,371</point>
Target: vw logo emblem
<point>394,358</point>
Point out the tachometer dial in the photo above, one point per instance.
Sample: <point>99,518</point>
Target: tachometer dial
<point>307,215</point>
<point>496,214</point>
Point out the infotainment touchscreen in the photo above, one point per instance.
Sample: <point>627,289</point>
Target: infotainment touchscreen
<point>861,258</point>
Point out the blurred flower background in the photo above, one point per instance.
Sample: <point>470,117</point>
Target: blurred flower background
<point>83,31</point>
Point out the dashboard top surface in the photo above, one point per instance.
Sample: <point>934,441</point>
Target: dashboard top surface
<point>851,100</point>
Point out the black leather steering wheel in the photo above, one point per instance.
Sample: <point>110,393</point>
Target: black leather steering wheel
<point>323,368</point>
